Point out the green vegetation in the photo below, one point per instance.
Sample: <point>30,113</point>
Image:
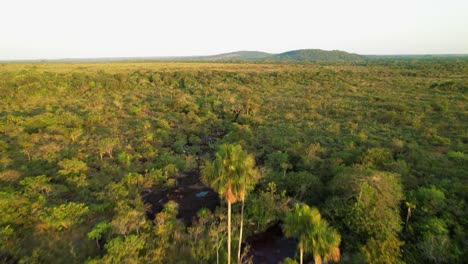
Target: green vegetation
<point>367,159</point>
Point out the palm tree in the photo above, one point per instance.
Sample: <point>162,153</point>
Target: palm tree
<point>314,234</point>
<point>325,243</point>
<point>248,176</point>
<point>231,174</point>
<point>295,225</point>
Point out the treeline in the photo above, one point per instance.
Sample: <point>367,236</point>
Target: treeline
<point>379,149</point>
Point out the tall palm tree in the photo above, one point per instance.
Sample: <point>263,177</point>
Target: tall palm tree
<point>325,243</point>
<point>296,225</point>
<point>314,234</point>
<point>248,176</point>
<point>231,174</point>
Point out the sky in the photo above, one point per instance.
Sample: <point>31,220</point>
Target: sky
<point>52,29</point>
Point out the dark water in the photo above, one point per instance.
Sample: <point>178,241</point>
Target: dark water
<point>190,194</point>
<point>269,246</point>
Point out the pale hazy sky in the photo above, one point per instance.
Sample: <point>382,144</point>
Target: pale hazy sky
<point>37,29</point>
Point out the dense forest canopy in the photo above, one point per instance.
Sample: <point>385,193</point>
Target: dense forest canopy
<point>112,162</point>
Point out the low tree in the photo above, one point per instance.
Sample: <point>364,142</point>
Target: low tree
<point>122,250</point>
<point>98,231</point>
<point>106,146</point>
<point>65,215</point>
<point>266,207</point>
<point>37,185</point>
<point>368,203</point>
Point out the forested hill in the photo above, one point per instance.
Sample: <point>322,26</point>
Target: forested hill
<point>240,56</point>
<point>303,55</point>
<point>318,55</point>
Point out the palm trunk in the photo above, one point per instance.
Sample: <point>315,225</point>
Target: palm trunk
<point>218,245</point>
<point>408,215</point>
<point>240,234</point>
<point>229,233</point>
<point>301,253</point>
<point>317,259</point>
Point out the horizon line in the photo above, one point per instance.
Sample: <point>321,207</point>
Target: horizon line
<point>168,57</point>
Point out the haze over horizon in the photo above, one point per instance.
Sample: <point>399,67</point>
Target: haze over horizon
<point>53,29</point>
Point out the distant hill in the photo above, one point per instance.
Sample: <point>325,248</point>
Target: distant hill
<point>304,55</point>
<point>240,55</point>
<point>318,55</point>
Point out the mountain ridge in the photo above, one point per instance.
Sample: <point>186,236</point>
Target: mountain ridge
<point>319,55</point>
<point>301,55</point>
